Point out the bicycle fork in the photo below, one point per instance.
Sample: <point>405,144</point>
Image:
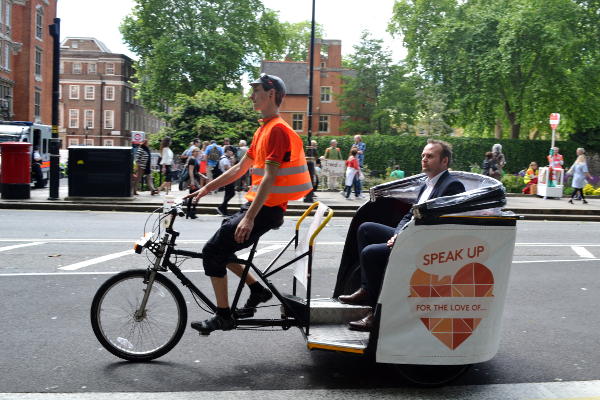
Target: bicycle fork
<point>140,313</point>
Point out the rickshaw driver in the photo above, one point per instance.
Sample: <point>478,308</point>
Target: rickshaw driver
<point>375,241</point>
<point>279,174</point>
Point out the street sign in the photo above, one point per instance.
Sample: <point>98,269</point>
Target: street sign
<point>137,137</point>
<point>554,120</point>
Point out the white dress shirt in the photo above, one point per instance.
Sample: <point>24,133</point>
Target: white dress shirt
<point>429,185</point>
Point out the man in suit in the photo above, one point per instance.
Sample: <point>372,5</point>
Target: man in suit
<point>375,241</point>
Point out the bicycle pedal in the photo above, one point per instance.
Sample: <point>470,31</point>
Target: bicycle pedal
<point>243,313</point>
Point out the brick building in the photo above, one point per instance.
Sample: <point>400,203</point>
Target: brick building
<point>26,60</point>
<point>97,99</point>
<point>327,84</point>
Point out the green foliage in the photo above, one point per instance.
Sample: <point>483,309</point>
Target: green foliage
<point>187,46</point>
<point>513,183</point>
<point>209,114</point>
<point>507,63</point>
<point>297,41</point>
<point>589,139</point>
<point>384,151</point>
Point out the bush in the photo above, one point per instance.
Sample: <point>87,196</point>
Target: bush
<point>513,183</point>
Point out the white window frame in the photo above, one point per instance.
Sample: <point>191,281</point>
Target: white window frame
<point>109,69</point>
<point>39,23</point>
<point>106,91</point>
<point>76,68</point>
<point>61,115</point>
<point>88,119</point>
<point>73,142</point>
<point>73,116</point>
<point>88,142</point>
<point>89,94</point>
<point>324,119</point>
<point>59,92</point>
<point>73,92</point>
<point>108,142</point>
<point>109,119</point>
<point>38,62</point>
<point>326,92</point>
<point>127,120</point>
<point>37,104</point>
<point>300,121</point>
<point>62,68</point>
<point>7,14</point>
<point>91,70</point>
<point>6,55</point>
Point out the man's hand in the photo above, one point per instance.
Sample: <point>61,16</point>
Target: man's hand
<point>197,195</point>
<point>391,241</point>
<point>243,230</point>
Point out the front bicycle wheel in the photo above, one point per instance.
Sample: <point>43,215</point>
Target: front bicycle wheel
<point>134,334</point>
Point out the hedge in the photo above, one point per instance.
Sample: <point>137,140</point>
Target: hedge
<point>385,151</point>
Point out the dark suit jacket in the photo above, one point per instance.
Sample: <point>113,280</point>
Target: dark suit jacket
<point>445,186</point>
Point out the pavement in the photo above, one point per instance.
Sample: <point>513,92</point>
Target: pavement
<point>528,206</point>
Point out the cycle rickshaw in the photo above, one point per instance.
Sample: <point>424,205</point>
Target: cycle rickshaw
<point>441,301</point>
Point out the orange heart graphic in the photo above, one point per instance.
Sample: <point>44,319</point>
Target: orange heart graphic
<point>472,280</point>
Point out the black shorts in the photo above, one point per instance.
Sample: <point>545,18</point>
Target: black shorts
<point>168,174</point>
<point>222,245</point>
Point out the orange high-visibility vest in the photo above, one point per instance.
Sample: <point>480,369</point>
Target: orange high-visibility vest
<point>293,180</point>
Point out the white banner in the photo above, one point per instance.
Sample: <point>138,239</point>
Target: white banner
<point>333,167</point>
<point>443,294</point>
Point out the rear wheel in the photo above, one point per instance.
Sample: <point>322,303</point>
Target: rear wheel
<point>134,334</point>
<point>431,375</point>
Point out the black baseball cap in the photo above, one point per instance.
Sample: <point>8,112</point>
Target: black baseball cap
<point>269,82</point>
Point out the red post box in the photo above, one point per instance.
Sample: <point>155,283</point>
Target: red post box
<point>15,172</point>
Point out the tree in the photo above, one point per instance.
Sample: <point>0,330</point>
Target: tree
<point>297,40</point>
<point>209,114</point>
<point>187,46</point>
<point>505,61</point>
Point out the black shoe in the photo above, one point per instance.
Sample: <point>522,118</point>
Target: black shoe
<point>307,200</point>
<point>585,202</point>
<point>193,216</point>
<point>215,323</point>
<point>571,201</point>
<point>221,212</point>
<point>255,299</point>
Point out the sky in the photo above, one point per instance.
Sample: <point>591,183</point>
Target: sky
<point>341,19</point>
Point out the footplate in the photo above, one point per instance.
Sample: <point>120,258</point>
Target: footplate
<point>337,338</point>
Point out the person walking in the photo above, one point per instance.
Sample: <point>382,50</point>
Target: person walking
<point>142,158</point>
<point>489,167</point>
<point>213,155</point>
<point>352,175</point>
<point>580,171</point>
<point>242,183</point>
<point>499,159</point>
<point>193,167</point>
<point>226,162</point>
<point>361,147</point>
<point>166,164</point>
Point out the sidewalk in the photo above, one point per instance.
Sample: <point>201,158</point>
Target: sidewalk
<point>530,207</point>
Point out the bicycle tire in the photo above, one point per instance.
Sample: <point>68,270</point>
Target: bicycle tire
<point>113,309</point>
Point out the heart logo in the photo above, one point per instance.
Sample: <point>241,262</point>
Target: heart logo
<point>471,280</point>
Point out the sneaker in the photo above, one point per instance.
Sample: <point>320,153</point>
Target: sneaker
<point>585,202</point>
<point>255,299</point>
<point>215,323</point>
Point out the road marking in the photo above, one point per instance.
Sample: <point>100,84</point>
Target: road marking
<point>582,252</point>
<point>17,246</point>
<point>97,260</point>
<point>264,250</point>
<point>187,271</point>
<point>550,261</point>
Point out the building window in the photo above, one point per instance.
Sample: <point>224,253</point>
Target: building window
<point>61,115</point>
<point>38,62</point>
<point>109,119</point>
<point>6,53</point>
<point>73,142</point>
<point>108,142</point>
<point>109,93</point>
<point>127,95</point>
<point>323,65</point>
<point>91,68</point>
<point>62,67</point>
<point>74,92</point>
<point>127,120</point>
<point>325,94</point>
<point>59,92</point>
<point>89,119</point>
<point>89,142</point>
<point>110,68</point>
<point>90,92</point>
<point>39,23</point>
<point>324,123</point>
<point>73,118</point>
<point>7,14</point>
<point>76,67</point>
<point>297,122</point>
<point>37,104</point>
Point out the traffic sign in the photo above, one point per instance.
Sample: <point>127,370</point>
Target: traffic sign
<point>137,137</point>
<point>554,120</point>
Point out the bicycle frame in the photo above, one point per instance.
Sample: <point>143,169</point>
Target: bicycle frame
<point>165,248</point>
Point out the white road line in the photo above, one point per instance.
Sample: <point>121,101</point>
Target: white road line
<point>553,261</point>
<point>97,260</point>
<point>16,246</point>
<point>582,252</point>
<point>264,250</point>
<point>187,271</point>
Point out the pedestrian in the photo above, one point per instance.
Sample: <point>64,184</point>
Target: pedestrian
<point>361,147</point>
<point>166,164</point>
<point>279,174</point>
<point>203,163</point>
<point>332,153</point>
<point>397,173</point>
<point>36,168</point>
<point>226,162</point>
<point>580,171</point>
<point>242,183</point>
<point>213,155</point>
<point>193,167</point>
<point>499,159</point>
<point>188,152</point>
<point>489,166</point>
<point>531,179</point>
<point>311,158</point>
<point>352,175</point>
<point>142,158</point>
<point>556,160</point>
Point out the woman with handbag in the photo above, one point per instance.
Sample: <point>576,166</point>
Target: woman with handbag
<point>580,172</point>
<point>166,164</point>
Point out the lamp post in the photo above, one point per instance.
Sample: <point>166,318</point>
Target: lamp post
<point>311,60</point>
<point>55,141</point>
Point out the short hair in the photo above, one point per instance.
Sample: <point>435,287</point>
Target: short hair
<point>354,151</point>
<point>332,140</point>
<point>489,154</point>
<point>242,142</point>
<point>228,148</point>
<point>581,149</point>
<point>446,149</point>
<point>196,140</point>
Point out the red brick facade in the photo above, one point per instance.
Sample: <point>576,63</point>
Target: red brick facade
<point>97,100</point>
<point>327,85</point>
<point>26,60</point>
